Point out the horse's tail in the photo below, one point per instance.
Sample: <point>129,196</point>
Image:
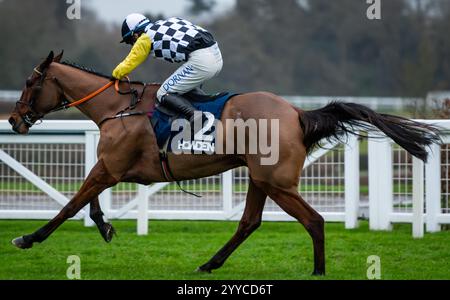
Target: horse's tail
<point>337,119</point>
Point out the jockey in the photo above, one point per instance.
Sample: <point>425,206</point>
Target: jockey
<point>174,40</point>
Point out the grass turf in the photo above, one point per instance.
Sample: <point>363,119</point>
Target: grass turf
<point>174,249</point>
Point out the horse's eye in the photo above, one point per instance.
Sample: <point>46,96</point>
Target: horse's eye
<point>28,83</point>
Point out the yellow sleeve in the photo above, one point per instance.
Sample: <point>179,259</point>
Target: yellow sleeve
<point>139,52</point>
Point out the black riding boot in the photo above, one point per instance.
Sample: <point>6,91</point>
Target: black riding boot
<point>182,105</point>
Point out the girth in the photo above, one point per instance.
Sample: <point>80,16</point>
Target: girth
<point>167,172</point>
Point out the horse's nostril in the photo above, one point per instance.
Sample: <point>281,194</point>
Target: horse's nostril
<point>12,121</point>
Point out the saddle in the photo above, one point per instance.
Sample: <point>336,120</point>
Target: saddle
<point>162,119</point>
<point>211,105</point>
<point>196,95</point>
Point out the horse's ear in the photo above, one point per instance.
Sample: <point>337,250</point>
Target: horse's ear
<point>44,65</point>
<point>58,57</point>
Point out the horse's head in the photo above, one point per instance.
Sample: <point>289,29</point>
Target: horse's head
<point>40,95</point>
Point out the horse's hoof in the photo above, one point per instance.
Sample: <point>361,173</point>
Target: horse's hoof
<point>318,273</point>
<point>203,270</point>
<point>108,232</point>
<point>21,243</point>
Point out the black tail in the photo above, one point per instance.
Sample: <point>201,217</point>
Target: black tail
<point>337,119</point>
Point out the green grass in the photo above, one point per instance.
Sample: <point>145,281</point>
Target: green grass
<point>174,249</point>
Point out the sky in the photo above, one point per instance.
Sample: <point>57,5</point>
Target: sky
<point>116,10</point>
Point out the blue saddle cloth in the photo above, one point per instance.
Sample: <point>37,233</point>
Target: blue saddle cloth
<point>162,122</point>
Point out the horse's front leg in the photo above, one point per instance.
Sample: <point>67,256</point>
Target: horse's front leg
<point>106,229</point>
<point>98,180</point>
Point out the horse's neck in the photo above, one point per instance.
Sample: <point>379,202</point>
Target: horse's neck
<point>78,84</point>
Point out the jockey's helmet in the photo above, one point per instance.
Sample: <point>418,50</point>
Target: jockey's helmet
<point>133,23</point>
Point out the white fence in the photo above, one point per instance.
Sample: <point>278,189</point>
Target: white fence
<point>404,189</point>
<point>376,103</point>
<point>40,172</point>
<point>313,102</point>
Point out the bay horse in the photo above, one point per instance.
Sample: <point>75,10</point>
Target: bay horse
<point>128,151</point>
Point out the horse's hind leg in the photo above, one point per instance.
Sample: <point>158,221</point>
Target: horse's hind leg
<point>292,203</point>
<point>106,229</point>
<point>250,221</point>
<point>98,180</point>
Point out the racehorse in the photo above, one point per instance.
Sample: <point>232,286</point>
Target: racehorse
<point>128,151</point>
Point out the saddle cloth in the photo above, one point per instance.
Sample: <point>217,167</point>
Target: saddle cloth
<point>168,134</point>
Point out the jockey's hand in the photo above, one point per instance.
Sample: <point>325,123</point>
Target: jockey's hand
<point>115,75</point>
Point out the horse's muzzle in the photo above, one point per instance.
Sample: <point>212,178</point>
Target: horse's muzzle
<point>17,125</point>
<point>12,121</point>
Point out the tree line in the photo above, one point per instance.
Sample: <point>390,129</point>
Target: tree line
<point>309,47</point>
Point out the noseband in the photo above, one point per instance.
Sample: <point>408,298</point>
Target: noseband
<point>31,115</point>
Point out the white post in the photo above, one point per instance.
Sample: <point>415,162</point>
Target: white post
<point>91,142</point>
<point>105,202</point>
<point>417,198</point>
<point>227,192</point>
<point>351,159</point>
<point>380,184</point>
<point>142,216</point>
<point>90,154</point>
<point>433,188</point>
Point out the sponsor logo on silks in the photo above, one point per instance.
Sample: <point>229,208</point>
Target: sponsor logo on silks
<point>188,70</point>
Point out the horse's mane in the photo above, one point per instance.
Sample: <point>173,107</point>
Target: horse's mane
<point>92,71</point>
<point>86,69</point>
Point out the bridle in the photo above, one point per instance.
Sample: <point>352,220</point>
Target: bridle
<point>31,117</point>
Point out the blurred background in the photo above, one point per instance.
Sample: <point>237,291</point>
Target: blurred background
<point>308,51</point>
<point>291,47</point>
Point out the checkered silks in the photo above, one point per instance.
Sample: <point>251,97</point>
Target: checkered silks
<point>171,38</point>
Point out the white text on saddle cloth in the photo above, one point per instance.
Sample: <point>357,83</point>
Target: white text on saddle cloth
<point>207,147</point>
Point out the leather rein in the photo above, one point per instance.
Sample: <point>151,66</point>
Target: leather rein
<point>31,117</point>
